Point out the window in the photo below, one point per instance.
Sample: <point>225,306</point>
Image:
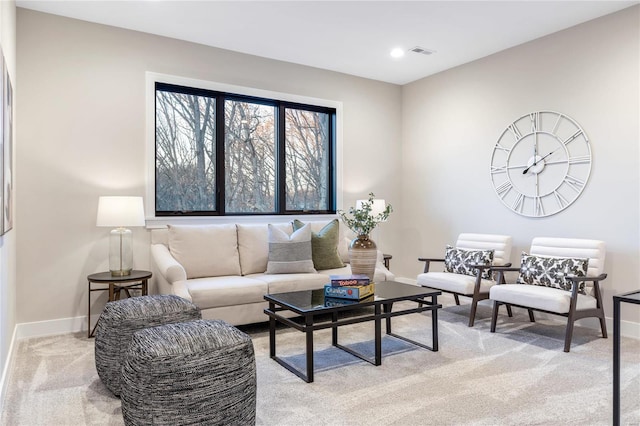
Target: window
<point>218,153</point>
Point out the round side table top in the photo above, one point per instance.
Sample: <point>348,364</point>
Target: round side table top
<point>106,277</point>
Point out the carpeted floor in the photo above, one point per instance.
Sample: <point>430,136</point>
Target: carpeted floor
<point>517,376</point>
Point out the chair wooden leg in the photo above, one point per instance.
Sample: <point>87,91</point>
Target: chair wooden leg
<point>494,316</point>
<point>531,317</point>
<point>568,334</point>
<point>455,296</point>
<point>603,326</point>
<point>472,314</point>
<point>509,311</point>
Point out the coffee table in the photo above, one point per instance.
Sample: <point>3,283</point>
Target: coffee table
<point>312,306</point>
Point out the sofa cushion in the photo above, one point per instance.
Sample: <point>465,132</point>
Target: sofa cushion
<point>254,247</point>
<point>205,250</point>
<point>324,245</point>
<point>458,261</point>
<point>215,292</point>
<point>540,297</point>
<point>551,271</point>
<point>289,254</point>
<point>281,283</point>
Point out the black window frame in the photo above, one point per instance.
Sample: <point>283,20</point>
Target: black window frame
<point>280,190</point>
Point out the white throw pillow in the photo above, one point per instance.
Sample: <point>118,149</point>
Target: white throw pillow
<point>253,246</point>
<point>290,254</point>
<point>206,250</point>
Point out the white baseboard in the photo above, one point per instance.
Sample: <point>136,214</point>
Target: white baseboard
<point>6,368</point>
<point>627,328</point>
<point>29,330</point>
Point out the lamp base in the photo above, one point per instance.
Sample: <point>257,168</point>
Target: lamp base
<point>120,252</point>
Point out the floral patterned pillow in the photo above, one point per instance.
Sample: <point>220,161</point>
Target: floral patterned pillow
<point>459,261</point>
<point>551,271</point>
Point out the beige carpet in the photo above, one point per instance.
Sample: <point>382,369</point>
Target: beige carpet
<point>517,376</point>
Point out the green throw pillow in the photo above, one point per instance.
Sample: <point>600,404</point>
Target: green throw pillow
<point>324,245</point>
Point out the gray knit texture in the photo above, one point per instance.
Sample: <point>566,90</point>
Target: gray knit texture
<point>121,318</point>
<point>199,372</point>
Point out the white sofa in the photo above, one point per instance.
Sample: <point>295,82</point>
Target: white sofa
<point>223,268</point>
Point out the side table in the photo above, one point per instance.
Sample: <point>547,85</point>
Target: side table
<point>633,297</point>
<point>137,280</point>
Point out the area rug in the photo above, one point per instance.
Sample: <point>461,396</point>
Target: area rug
<point>516,376</point>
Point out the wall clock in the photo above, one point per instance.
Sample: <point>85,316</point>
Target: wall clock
<point>541,163</point>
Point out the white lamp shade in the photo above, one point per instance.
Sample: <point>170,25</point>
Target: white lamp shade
<point>120,211</point>
<point>377,207</point>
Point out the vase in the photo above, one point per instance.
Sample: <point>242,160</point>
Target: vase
<point>363,255</point>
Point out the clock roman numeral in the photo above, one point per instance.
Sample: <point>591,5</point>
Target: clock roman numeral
<point>580,159</point>
<point>503,189</point>
<point>572,137</point>
<point>574,183</point>
<point>498,169</point>
<point>560,199</point>
<point>518,204</point>
<point>535,121</point>
<point>515,131</point>
<point>557,124</point>
<point>538,208</point>
<point>500,147</point>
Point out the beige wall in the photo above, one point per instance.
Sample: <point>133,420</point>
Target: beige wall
<point>452,120</point>
<point>82,104</point>
<point>7,241</point>
<point>424,147</point>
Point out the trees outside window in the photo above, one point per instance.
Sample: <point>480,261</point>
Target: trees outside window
<point>219,153</point>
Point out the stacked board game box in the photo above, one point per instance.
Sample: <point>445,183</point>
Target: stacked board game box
<point>349,292</point>
<point>338,301</point>
<point>349,280</point>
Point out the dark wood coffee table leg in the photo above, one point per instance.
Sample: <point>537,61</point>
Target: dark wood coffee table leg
<point>334,330</point>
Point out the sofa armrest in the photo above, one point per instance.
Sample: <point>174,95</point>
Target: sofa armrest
<point>167,265</point>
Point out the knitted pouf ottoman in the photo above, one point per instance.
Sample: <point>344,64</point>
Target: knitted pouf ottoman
<point>121,318</point>
<point>199,372</point>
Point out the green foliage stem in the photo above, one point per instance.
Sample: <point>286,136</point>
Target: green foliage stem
<point>361,221</point>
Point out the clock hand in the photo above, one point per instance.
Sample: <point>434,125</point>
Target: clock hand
<point>524,172</point>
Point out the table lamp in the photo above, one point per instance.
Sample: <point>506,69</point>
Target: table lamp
<point>120,212</point>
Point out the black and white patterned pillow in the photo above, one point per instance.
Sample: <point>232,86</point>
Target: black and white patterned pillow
<point>551,271</point>
<point>459,261</point>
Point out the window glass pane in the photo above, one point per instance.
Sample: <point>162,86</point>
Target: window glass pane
<point>185,152</point>
<point>250,157</point>
<point>306,159</point>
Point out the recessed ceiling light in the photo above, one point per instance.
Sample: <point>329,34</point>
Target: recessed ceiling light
<point>397,52</point>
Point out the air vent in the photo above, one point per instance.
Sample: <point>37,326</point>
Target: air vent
<point>422,50</point>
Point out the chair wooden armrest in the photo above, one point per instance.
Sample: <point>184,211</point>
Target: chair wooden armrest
<point>427,261</point>
<point>577,279</point>
<point>501,269</point>
<point>482,266</point>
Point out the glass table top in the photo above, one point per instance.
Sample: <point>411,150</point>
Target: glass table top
<point>314,300</point>
<point>633,297</point>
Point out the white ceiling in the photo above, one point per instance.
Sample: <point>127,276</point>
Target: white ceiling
<point>353,37</point>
